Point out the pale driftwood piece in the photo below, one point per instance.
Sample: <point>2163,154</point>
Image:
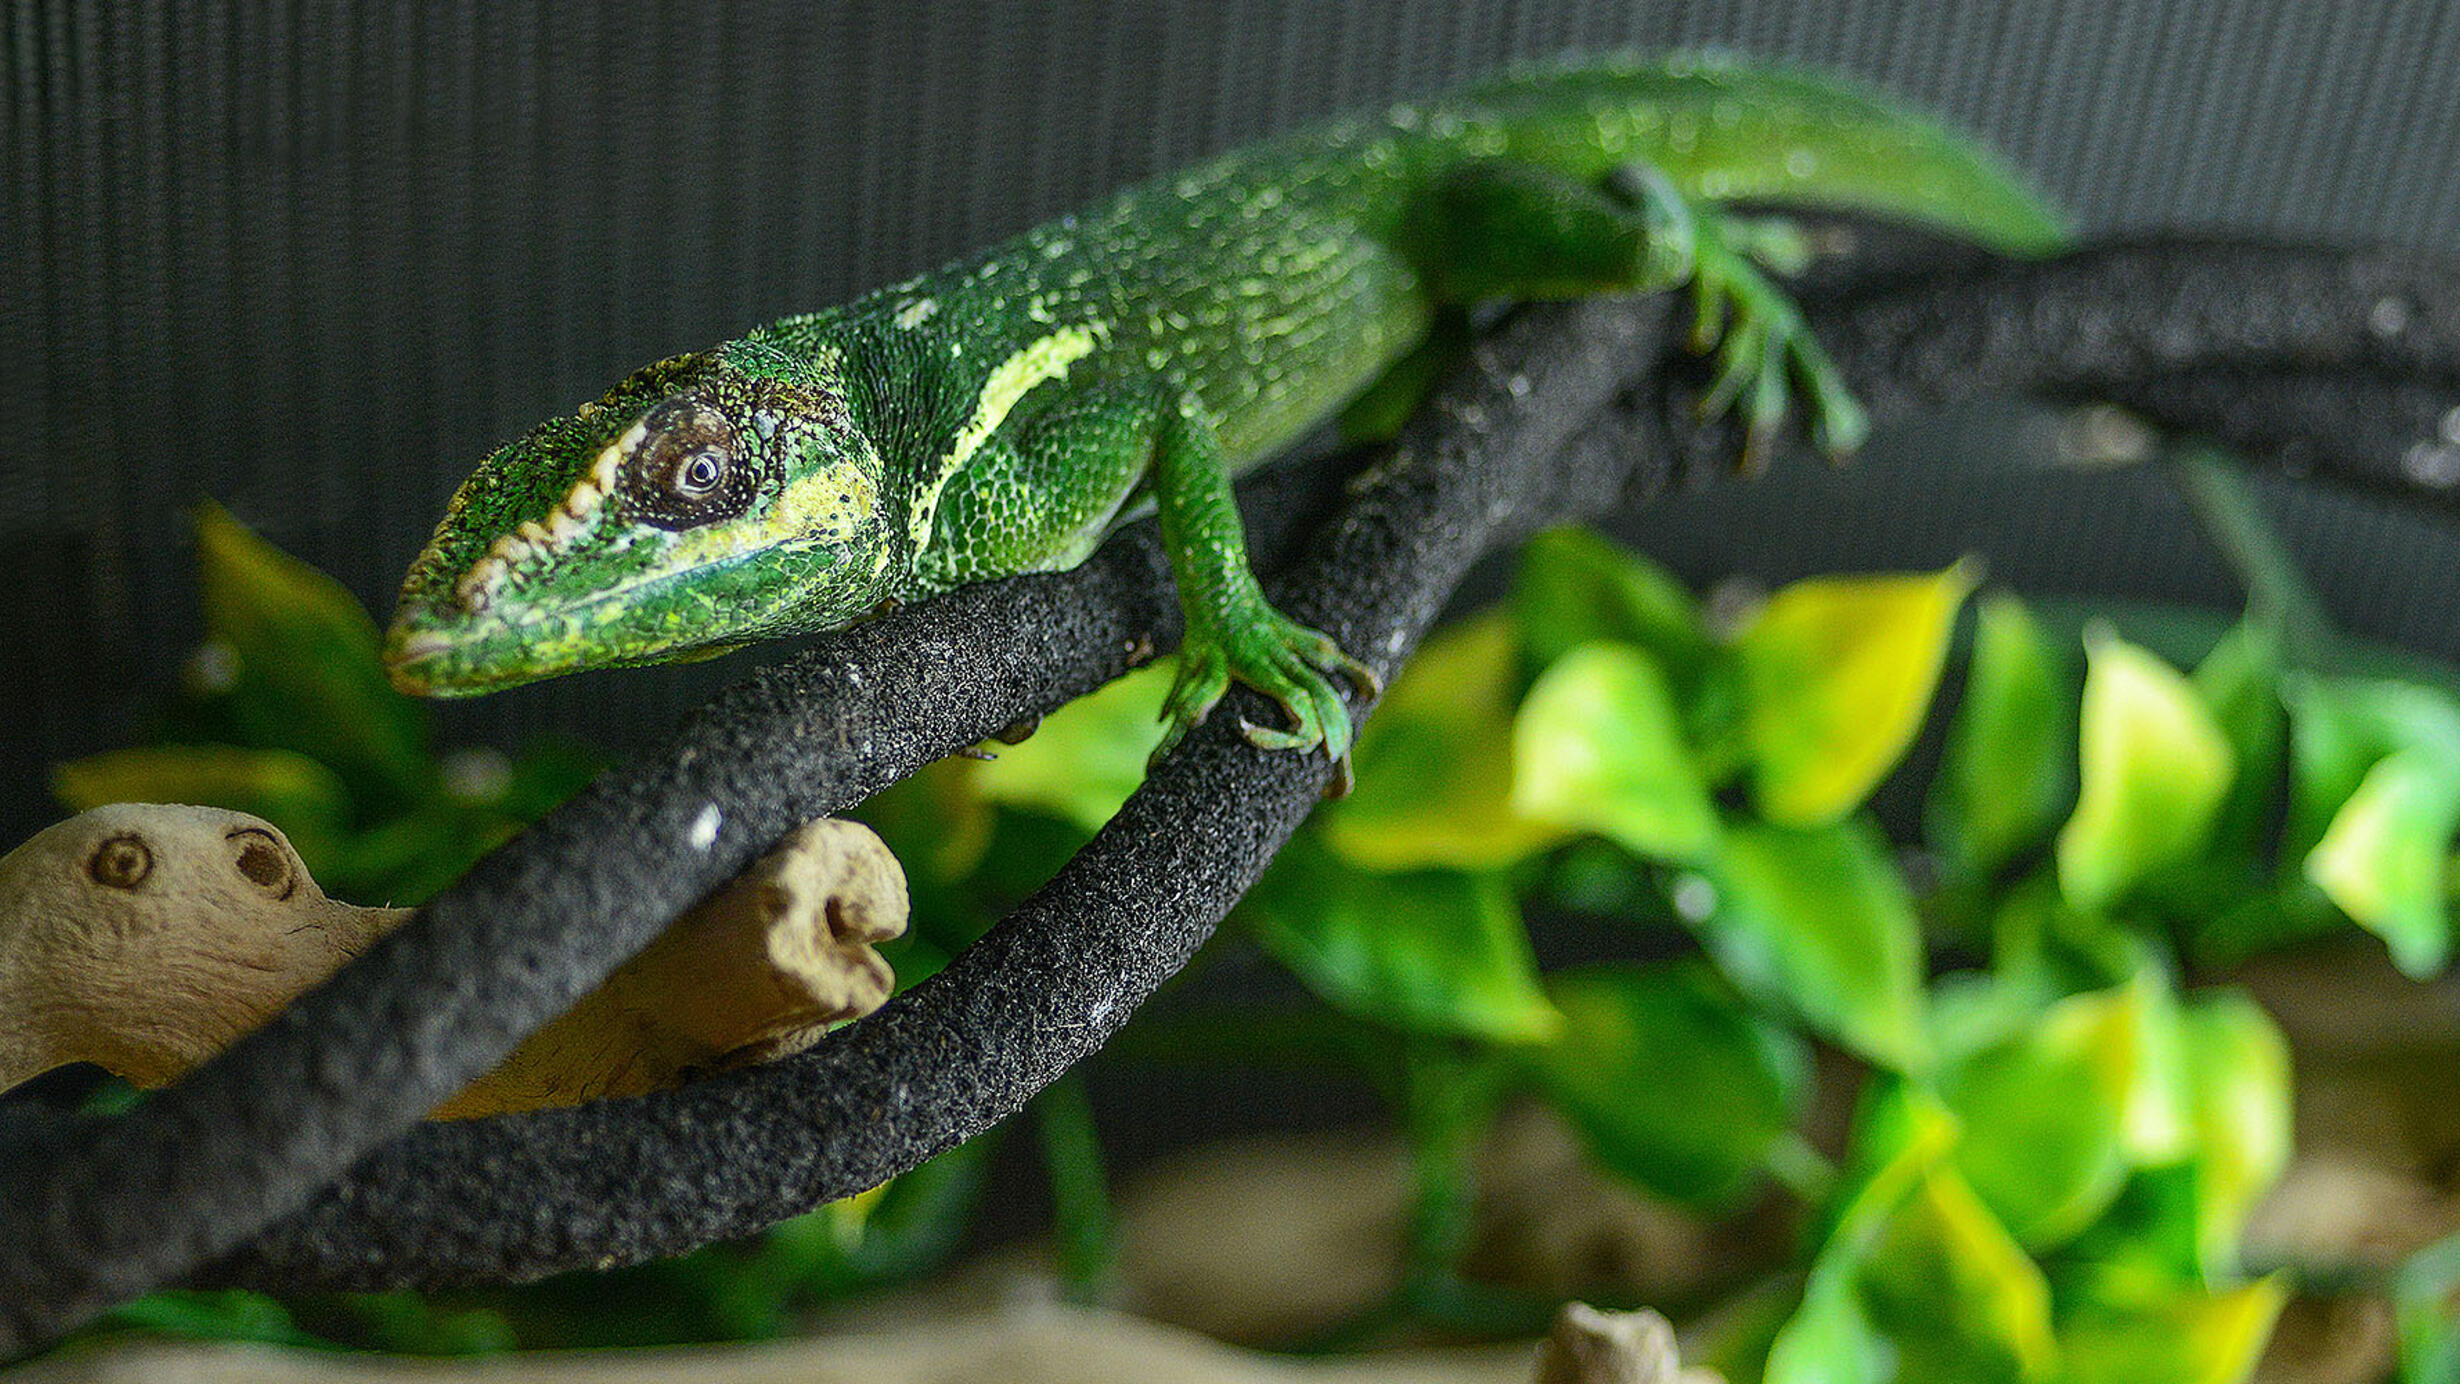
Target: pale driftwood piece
<point>146,938</point>
<point>143,938</point>
<point>759,970</point>
<point>1035,1343</point>
<point>1588,1346</point>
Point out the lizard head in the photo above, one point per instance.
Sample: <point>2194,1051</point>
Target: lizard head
<point>707,501</point>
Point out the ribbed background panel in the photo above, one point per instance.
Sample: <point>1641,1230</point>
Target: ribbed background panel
<point>311,260</point>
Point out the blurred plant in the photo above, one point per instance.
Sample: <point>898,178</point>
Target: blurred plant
<point>2057,1138</point>
<point>2056,1142</point>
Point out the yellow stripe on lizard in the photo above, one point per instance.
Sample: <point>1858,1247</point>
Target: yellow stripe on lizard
<point>1047,358</point>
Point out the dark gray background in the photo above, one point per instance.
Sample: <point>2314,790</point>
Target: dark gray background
<point>313,259</point>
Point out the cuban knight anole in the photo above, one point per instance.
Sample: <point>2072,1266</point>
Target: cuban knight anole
<point>999,415</point>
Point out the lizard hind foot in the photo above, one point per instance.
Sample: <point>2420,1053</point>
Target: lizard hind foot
<point>1764,352</point>
<point>1286,661</point>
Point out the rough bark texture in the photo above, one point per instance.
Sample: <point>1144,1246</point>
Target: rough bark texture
<point>291,1160</point>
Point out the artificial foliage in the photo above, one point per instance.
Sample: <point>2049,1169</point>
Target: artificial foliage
<point>2059,1130</point>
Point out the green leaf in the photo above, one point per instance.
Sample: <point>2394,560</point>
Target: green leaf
<point>2382,860</point>
<point>900,1230</point>
<point>2052,947</point>
<point>1819,922</point>
<point>2146,1247</point>
<point>2340,729</point>
<point>1598,747</point>
<point>2009,767</point>
<point>1839,671</point>
<point>405,860</point>
<point>2159,1124</point>
<point>1084,760</point>
<point>404,1322</point>
<point>2154,769</point>
<point>941,830</point>
<point>1576,588</point>
<point>1084,1225</point>
<point>1448,1096</point>
<point>2043,1112</point>
<point>1672,1082</point>
<point>1898,1137</point>
<point>295,793</point>
<point>2426,1306</point>
<point>229,1314</point>
<point>2189,1338</point>
<point>2374,801</point>
<point>289,790</point>
<point>2237,1077</point>
<point>1738,1337</point>
<point>1954,1291</point>
<point>1428,951</point>
<point>2241,681</point>
<point>1435,762</point>
<point>1830,1340</point>
<point>545,775</point>
<point>304,672</point>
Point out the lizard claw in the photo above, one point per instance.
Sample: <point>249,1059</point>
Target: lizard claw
<point>1266,738</point>
<point>1285,661</point>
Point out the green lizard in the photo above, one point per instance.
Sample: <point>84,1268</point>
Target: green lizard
<point>1003,414</point>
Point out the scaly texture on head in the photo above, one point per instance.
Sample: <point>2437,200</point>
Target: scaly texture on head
<point>707,500</point>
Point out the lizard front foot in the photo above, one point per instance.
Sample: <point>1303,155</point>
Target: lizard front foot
<point>1277,656</point>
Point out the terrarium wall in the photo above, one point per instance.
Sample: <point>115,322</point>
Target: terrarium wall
<point>311,260</point>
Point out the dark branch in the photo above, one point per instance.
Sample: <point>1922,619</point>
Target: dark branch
<point>104,1208</point>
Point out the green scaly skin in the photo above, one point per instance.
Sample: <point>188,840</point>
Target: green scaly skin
<point>1000,415</point>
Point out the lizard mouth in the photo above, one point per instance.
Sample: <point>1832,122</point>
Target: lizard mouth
<point>412,657</point>
<point>454,654</point>
<point>451,652</point>
<point>425,661</point>
<point>444,650</point>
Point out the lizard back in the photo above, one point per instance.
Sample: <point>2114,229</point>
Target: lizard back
<point>1274,281</point>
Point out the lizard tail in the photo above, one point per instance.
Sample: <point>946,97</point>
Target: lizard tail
<point>1724,130</point>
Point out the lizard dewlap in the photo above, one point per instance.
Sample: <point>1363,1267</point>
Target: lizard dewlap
<point>998,416</point>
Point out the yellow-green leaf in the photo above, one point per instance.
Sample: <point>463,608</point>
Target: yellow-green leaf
<point>1819,922</point>
<point>2042,1111</point>
<point>2382,859</point>
<point>2341,728</point>
<point>2154,768</point>
<point>1831,1340</point>
<point>2426,1307</point>
<point>2159,1122</point>
<point>303,672</point>
<point>1435,762</point>
<point>1086,757</point>
<point>1598,747</point>
<point>2009,768</point>
<point>2238,1082</point>
<point>1839,671</point>
<point>1954,1291</point>
<point>2191,1338</point>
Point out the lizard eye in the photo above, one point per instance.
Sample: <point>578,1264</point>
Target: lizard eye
<point>685,472</point>
<point>699,473</point>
